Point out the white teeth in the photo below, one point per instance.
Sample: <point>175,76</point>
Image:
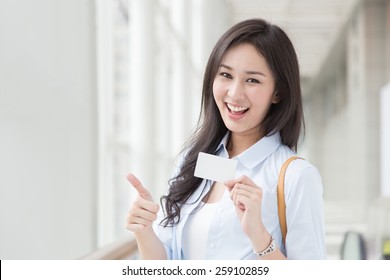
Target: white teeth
<point>236,109</point>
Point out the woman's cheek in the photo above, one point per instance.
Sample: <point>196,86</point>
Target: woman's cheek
<point>218,91</point>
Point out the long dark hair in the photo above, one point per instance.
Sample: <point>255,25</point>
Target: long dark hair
<point>285,117</point>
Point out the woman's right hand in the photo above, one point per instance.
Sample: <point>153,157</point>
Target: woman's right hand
<point>143,211</point>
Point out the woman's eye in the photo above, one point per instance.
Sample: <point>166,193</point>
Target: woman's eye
<point>226,75</point>
<point>253,81</point>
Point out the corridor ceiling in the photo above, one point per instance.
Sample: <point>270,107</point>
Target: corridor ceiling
<point>313,25</point>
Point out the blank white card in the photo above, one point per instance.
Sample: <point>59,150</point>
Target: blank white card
<point>215,168</point>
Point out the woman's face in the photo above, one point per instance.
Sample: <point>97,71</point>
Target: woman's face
<point>244,90</point>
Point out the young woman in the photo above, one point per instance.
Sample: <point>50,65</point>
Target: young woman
<point>251,112</point>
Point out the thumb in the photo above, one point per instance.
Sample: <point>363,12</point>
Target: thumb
<point>142,191</point>
<point>230,184</point>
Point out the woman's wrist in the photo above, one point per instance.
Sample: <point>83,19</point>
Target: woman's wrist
<point>145,233</point>
<point>261,240</point>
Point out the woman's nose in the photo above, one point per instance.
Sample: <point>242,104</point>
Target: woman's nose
<point>236,90</point>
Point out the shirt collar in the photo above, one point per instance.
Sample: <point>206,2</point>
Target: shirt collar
<point>222,147</point>
<point>255,154</point>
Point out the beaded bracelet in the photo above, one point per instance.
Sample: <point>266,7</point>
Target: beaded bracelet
<point>271,248</point>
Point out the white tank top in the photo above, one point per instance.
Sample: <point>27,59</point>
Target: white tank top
<point>196,231</point>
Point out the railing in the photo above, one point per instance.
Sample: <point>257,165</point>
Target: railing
<point>123,249</point>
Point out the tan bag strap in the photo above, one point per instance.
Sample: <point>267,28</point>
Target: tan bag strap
<point>280,194</point>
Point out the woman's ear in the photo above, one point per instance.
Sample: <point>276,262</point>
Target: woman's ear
<point>275,97</point>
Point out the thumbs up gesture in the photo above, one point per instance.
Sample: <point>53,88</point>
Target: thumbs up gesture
<point>143,211</point>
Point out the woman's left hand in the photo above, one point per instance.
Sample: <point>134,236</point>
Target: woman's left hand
<point>247,198</point>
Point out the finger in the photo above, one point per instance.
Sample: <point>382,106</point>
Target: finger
<point>245,180</point>
<point>135,227</point>
<point>143,214</point>
<point>238,202</point>
<point>141,219</point>
<point>242,190</point>
<point>248,203</point>
<point>148,205</point>
<point>138,220</point>
<point>234,197</point>
<point>254,194</point>
<point>139,187</point>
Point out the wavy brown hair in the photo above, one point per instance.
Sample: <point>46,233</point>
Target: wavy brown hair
<point>285,117</point>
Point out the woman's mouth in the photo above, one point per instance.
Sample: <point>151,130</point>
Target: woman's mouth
<point>236,110</point>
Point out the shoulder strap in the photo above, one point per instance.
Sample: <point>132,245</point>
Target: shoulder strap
<point>280,195</point>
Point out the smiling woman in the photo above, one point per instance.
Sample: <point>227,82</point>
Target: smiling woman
<point>252,113</point>
<point>244,90</point>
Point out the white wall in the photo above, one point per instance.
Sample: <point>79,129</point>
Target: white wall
<point>47,129</point>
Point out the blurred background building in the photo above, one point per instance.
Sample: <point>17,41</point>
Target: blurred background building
<point>91,90</point>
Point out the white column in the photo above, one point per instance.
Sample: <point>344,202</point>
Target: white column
<point>385,120</point>
<point>217,19</point>
<point>385,140</point>
<point>163,99</point>
<point>105,208</point>
<point>356,118</point>
<point>142,81</point>
<point>387,55</point>
<point>198,56</point>
<point>206,30</point>
<point>181,69</point>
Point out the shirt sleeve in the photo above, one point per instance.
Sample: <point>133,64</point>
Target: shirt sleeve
<point>165,234</point>
<point>304,212</point>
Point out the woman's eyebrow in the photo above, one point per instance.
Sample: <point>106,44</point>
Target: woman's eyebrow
<point>225,66</point>
<point>249,72</point>
<point>255,73</point>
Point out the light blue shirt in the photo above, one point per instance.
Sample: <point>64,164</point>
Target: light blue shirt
<point>261,163</point>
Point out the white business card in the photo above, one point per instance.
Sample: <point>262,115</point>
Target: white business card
<point>215,168</point>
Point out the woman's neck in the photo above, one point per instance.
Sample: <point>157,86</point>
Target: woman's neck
<point>240,142</point>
